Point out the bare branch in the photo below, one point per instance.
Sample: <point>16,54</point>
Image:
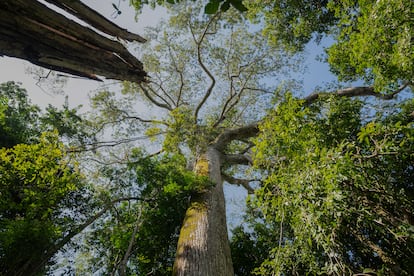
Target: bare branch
<point>126,118</point>
<point>180,72</point>
<point>167,99</point>
<point>360,91</point>
<point>160,86</point>
<point>102,144</point>
<point>151,99</point>
<point>240,182</point>
<point>237,96</point>
<point>205,69</point>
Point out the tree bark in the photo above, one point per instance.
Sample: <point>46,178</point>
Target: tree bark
<point>30,30</point>
<point>203,247</point>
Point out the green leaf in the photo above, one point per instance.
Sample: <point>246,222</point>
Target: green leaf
<point>212,7</point>
<point>225,6</point>
<point>238,4</point>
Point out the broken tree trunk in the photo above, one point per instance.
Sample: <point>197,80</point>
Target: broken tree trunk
<point>32,31</point>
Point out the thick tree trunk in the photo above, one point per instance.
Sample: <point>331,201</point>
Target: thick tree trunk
<point>203,247</point>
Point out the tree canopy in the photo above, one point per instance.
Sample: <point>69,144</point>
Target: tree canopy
<point>372,39</point>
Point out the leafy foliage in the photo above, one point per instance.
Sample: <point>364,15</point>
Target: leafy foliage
<point>211,7</point>
<point>292,23</point>
<point>163,187</point>
<point>338,189</point>
<point>375,43</point>
<point>23,122</point>
<point>35,184</point>
<point>18,117</point>
<point>42,194</point>
<point>372,39</point>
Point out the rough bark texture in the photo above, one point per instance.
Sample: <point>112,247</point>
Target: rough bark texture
<point>203,247</point>
<point>32,31</point>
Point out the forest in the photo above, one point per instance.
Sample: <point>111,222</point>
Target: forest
<point>210,98</point>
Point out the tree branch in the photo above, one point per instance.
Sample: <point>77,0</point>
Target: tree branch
<point>125,118</point>
<point>205,69</point>
<point>151,99</point>
<point>235,134</point>
<point>102,144</point>
<point>239,182</point>
<point>90,16</point>
<point>360,91</point>
<point>164,97</point>
<point>237,159</point>
<point>32,31</point>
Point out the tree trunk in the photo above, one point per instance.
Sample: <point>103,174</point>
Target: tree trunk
<point>203,246</point>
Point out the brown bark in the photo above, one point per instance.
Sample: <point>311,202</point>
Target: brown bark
<point>36,33</point>
<point>203,247</point>
<point>359,91</point>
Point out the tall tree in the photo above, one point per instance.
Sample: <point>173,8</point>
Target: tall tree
<point>207,79</point>
<point>209,82</point>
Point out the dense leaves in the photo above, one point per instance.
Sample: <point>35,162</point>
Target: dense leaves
<point>18,117</point>
<point>339,190</point>
<point>292,23</point>
<point>211,7</point>
<point>375,42</point>
<point>42,194</point>
<point>34,185</point>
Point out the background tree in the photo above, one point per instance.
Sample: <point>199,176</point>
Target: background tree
<point>19,119</point>
<point>140,236</point>
<point>43,195</point>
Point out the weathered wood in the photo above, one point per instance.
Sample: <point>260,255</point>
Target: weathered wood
<point>94,19</point>
<point>34,32</point>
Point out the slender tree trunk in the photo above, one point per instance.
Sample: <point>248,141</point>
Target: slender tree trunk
<point>203,247</point>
